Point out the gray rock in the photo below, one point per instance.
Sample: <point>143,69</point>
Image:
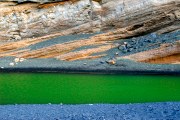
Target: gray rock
<point>102,62</point>
<point>122,47</point>
<point>125,51</point>
<point>130,49</point>
<point>128,45</point>
<point>153,35</point>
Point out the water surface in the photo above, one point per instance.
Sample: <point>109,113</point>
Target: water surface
<point>43,88</point>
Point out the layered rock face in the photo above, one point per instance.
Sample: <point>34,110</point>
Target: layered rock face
<point>31,20</point>
<point>20,21</point>
<point>27,23</point>
<point>38,1</point>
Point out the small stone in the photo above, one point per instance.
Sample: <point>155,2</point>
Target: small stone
<point>163,40</point>
<point>11,64</point>
<point>153,35</point>
<point>142,44</point>
<point>130,49</point>
<point>16,60</point>
<point>125,43</point>
<point>125,51</point>
<point>135,47</point>
<point>177,14</point>
<point>85,63</point>
<point>133,40</point>
<point>22,59</point>
<point>116,53</point>
<point>122,47</point>
<point>2,67</point>
<point>128,45</point>
<point>149,40</point>
<point>17,37</point>
<point>101,62</point>
<point>112,62</point>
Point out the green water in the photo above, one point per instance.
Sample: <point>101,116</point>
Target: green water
<point>35,88</point>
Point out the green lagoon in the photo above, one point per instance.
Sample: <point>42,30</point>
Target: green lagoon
<point>56,88</point>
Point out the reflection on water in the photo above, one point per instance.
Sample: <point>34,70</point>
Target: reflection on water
<point>16,88</point>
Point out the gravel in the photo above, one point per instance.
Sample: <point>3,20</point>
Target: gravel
<point>146,111</point>
<point>146,42</point>
<point>100,65</point>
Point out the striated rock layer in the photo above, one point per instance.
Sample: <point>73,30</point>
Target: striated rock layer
<point>28,20</point>
<point>111,21</point>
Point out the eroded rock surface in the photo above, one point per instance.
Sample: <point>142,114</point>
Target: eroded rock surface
<point>28,20</point>
<point>33,24</point>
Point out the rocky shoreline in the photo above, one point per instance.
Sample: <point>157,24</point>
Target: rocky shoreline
<point>150,111</point>
<point>111,63</point>
<point>90,36</point>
